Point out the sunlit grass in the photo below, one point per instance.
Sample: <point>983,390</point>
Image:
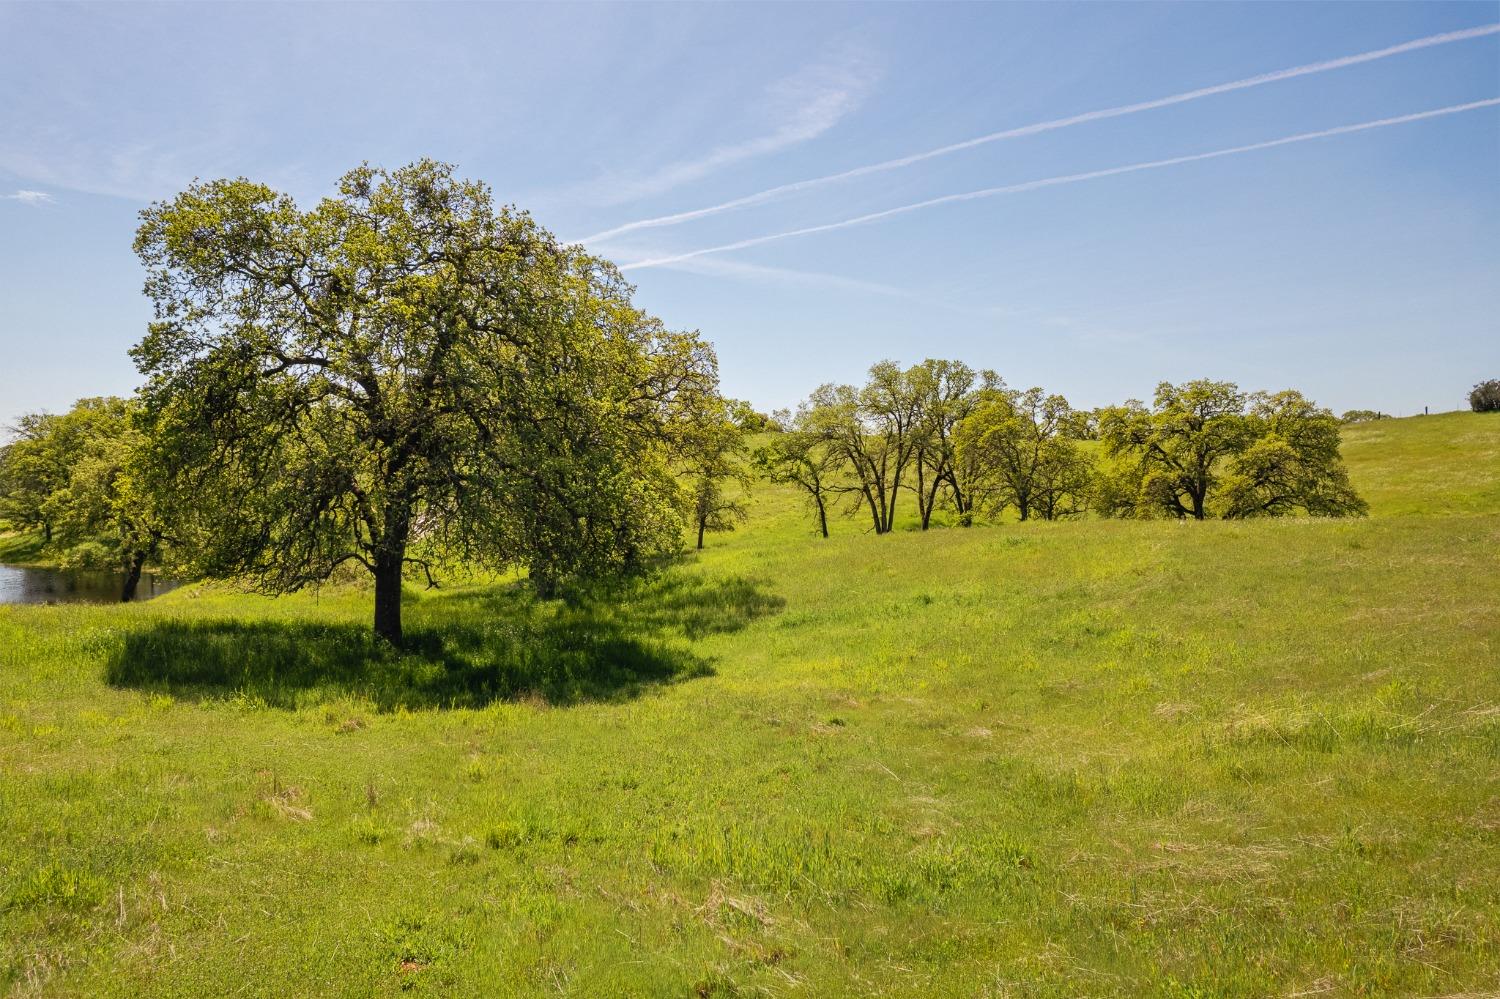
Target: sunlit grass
<point>20,548</point>
<point>1089,758</point>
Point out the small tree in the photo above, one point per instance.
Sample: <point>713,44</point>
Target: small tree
<point>833,417</point>
<point>715,459</point>
<point>90,502</point>
<point>1019,442</point>
<point>748,419</point>
<point>1362,416</point>
<point>400,376</point>
<point>1065,481</point>
<point>1485,397</point>
<point>947,392</point>
<point>799,456</point>
<point>74,476</point>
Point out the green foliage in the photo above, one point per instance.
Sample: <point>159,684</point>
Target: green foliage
<point>875,432</point>
<point>748,419</point>
<point>1485,397</point>
<point>1023,454</point>
<point>403,376</point>
<point>1292,463</point>
<point>78,478</point>
<point>713,451</point>
<point>801,457</point>
<point>899,426</point>
<point>1206,448</point>
<point>1177,445</point>
<point>33,467</point>
<point>1363,416</point>
<point>946,392</point>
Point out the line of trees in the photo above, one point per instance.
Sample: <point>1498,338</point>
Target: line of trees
<point>959,441</point>
<point>407,378</point>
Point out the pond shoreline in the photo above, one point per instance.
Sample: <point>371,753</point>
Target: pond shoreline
<point>22,584</point>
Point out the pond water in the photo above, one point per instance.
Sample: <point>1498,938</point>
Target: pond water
<point>26,585</point>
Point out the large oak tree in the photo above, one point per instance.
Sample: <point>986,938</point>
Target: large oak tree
<point>403,375</point>
<point>1204,448</point>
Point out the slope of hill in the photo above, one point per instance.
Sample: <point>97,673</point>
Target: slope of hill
<point>1089,758</point>
<point>1445,463</point>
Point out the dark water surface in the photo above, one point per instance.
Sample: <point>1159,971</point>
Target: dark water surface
<point>25,585</point>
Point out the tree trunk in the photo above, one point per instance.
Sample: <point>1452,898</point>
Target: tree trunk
<point>702,523</point>
<point>47,531</point>
<point>390,558</point>
<point>822,515</point>
<point>923,513</point>
<point>133,576</point>
<point>388,599</point>
<point>874,510</point>
<point>937,483</point>
<point>543,582</point>
<point>1197,506</point>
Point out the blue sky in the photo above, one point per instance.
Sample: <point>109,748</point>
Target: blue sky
<point>1362,268</point>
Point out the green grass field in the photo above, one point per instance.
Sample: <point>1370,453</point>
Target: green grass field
<point>1092,758</point>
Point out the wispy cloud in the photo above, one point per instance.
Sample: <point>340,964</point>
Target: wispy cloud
<point>65,158</point>
<point>1072,178</point>
<point>26,197</point>
<point>742,271</point>
<point>739,269</point>
<point>1309,69</point>
<point>803,107</point>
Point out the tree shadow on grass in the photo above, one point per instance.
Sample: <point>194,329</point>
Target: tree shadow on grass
<point>462,650</point>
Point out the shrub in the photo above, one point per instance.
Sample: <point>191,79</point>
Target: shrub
<point>1363,416</point>
<point>1485,397</point>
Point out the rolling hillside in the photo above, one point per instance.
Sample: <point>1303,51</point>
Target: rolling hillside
<point>1087,758</point>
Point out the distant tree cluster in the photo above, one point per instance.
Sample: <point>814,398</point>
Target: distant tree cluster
<point>1205,448</point>
<point>77,478</point>
<point>864,447</point>
<point>748,419</point>
<point>1363,416</point>
<point>960,442</point>
<point>1022,451</point>
<point>1485,397</point>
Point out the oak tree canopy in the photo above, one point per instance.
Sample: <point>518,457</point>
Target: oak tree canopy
<point>403,376</point>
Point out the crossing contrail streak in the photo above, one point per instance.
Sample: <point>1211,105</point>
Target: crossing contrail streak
<point>1072,178</point>
<point>1048,126</point>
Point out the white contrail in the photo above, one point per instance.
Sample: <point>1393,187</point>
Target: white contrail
<point>1056,123</point>
<point>1030,185</point>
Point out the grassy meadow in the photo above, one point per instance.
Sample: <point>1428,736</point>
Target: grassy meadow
<point>1093,758</point>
